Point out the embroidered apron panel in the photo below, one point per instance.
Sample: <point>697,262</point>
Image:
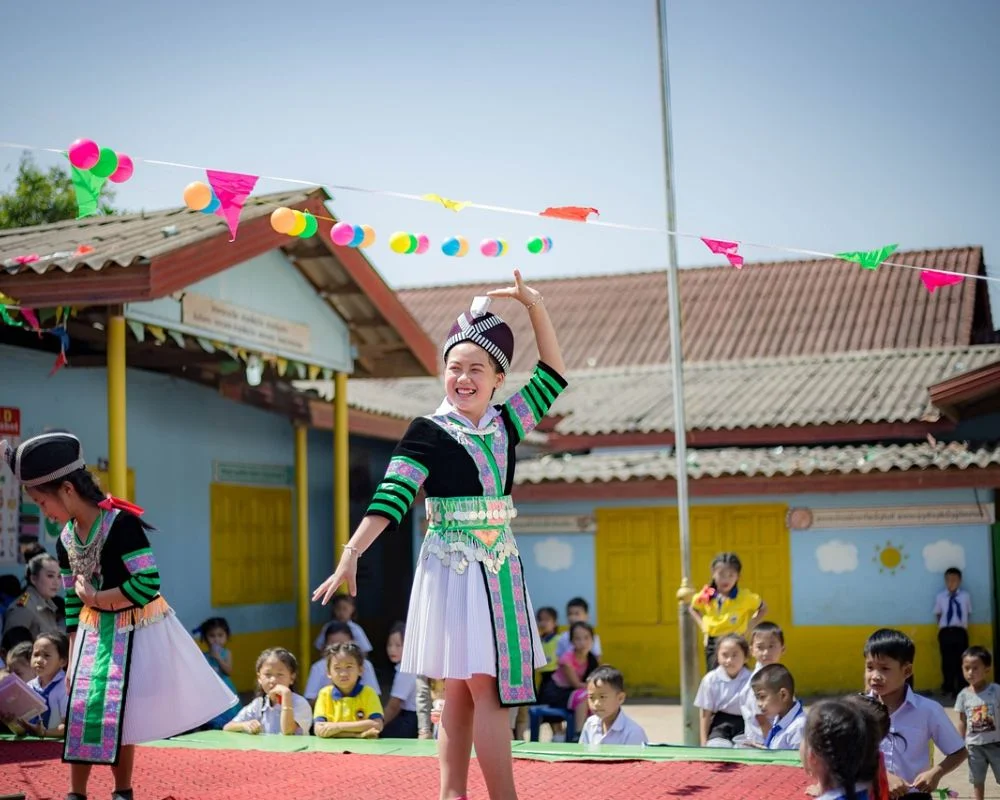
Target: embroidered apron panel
<point>511,633</point>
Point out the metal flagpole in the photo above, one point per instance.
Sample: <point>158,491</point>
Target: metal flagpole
<point>687,632</point>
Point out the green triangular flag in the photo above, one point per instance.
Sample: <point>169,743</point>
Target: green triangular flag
<point>871,259</point>
<point>138,330</point>
<point>88,191</point>
<point>7,318</point>
<point>177,337</point>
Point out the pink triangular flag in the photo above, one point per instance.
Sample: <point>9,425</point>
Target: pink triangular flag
<point>933,279</point>
<point>30,318</point>
<point>735,259</point>
<point>719,246</point>
<point>232,189</point>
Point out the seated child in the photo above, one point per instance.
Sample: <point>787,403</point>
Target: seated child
<point>49,657</point>
<point>11,639</point>
<point>19,661</point>
<point>774,689</point>
<point>978,707</point>
<point>276,708</point>
<point>214,633</point>
<point>336,633</point>
<point>348,709</point>
<point>401,710</point>
<point>568,688</point>
<point>720,693</point>
<point>767,645</point>
<point>916,720</point>
<point>577,610</point>
<point>840,746</point>
<point>343,611</point>
<point>608,724</point>
<point>548,623</point>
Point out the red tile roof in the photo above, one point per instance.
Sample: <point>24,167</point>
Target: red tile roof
<point>764,310</point>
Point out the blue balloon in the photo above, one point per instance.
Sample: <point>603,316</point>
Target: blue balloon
<point>451,246</point>
<point>211,207</point>
<point>359,236</point>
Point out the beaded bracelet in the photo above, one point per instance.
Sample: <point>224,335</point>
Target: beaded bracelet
<point>539,300</point>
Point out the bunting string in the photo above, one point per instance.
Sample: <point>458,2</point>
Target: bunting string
<point>932,277</point>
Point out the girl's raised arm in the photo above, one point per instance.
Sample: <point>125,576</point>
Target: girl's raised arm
<point>545,333</point>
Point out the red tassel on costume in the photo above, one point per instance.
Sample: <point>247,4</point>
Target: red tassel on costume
<point>109,503</point>
<point>882,782</point>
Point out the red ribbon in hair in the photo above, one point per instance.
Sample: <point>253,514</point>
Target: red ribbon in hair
<point>109,503</point>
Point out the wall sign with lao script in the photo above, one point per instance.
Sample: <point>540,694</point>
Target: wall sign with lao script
<point>800,519</point>
<point>231,322</point>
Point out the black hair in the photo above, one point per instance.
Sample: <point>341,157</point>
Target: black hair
<point>34,567</point>
<point>212,624</point>
<point>871,704</point>
<point>12,637</point>
<point>10,586</point>
<point>343,598</point>
<point>547,610</point>
<point>892,644</point>
<point>59,640</point>
<point>21,650</point>
<point>577,602</point>
<point>774,677</point>
<point>771,628</point>
<point>284,656</point>
<point>739,640</point>
<point>727,559</point>
<point>397,627</point>
<point>845,738</point>
<point>85,485</point>
<point>981,653</point>
<point>344,649</point>
<point>953,571</point>
<point>336,626</point>
<point>592,662</point>
<point>608,676</point>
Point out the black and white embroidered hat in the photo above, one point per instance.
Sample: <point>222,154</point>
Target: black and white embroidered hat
<point>490,332</point>
<point>43,459</point>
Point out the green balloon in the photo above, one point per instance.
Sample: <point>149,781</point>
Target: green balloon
<point>106,164</point>
<point>413,245</point>
<point>311,226</point>
<point>535,245</point>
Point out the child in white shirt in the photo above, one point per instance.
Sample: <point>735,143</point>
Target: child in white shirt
<point>720,693</point>
<point>608,724</point>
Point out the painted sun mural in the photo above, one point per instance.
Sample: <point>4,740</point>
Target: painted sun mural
<point>890,557</point>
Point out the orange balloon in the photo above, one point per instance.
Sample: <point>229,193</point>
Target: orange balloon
<point>369,236</point>
<point>300,223</point>
<point>197,195</point>
<point>283,220</point>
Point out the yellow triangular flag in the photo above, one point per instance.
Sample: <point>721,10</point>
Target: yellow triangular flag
<point>282,366</point>
<point>313,372</point>
<point>157,332</point>
<point>451,205</point>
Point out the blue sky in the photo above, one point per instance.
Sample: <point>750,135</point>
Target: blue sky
<point>829,126</point>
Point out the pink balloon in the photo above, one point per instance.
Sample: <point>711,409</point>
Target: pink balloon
<point>489,247</point>
<point>423,243</point>
<point>124,171</point>
<point>84,153</point>
<point>342,233</point>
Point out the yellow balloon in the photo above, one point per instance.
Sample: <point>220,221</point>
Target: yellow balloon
<point>282,219</point>
<point>399,242</point>
<point>369,236</point>
<point>300,223</point>
<point>504,247</point>
<point>197,195</point>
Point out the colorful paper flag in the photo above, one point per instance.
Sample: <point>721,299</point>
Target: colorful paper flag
<point>572,213</point>
<point>935,280</point>
<point>451,205</point>
<point>87,188</point>
<point>725,248</point>
<point>871,259</point>
<point>158,333</point>
<point>29,316</point>
<point>61,362</point>
<point>232,189</point>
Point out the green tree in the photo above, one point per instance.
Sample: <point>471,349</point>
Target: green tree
<point>38,197</point>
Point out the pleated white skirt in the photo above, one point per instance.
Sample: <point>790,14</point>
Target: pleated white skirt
<point>449,629</point>
<point>171,687</point>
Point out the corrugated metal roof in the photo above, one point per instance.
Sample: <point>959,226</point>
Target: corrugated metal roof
<point>126,239</point>
<point>883,386</point>
<point>764,310</point>
<point>728,462</point>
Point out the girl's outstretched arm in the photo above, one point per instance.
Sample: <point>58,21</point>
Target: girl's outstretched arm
<point>545,333</point>
<point>368,531</point>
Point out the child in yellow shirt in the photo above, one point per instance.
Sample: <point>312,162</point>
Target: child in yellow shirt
<point>723,607</point>
<point>348,709</point>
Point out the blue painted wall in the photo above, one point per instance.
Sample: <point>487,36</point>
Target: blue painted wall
<point>559,567</point>
<point>270,285</point>
<point>175,431</point>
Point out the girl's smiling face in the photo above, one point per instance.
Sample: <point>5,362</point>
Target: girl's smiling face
<point>470,380</point>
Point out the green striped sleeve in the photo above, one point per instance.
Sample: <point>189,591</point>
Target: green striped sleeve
<point>527,407</point>
<point>398,489</point>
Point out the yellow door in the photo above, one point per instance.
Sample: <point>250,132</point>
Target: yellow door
<point>638,574</point>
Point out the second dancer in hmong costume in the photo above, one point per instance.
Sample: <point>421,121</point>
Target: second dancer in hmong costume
<point>135,673</point>
<point>470,620</point>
